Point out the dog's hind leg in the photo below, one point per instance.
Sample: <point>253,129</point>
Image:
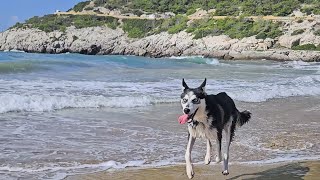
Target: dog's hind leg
<point>189,168</point>
<point>228,133</point>
<point>207,159</point>
<point>218,147</point>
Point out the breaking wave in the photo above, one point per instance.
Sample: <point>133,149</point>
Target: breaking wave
<point>36,103</point>
<point>55,95</point>
<point>196,60</point>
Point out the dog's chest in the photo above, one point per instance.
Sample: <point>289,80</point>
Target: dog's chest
<point>203,129</point>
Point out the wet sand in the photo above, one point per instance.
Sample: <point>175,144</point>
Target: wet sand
<point>287,124</point>
<point>308,170</point>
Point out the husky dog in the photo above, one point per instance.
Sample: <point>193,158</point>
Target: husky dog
<point>208,116</point>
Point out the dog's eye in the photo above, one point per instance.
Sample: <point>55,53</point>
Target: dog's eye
<point>196,100</point>
<point>184,101</point>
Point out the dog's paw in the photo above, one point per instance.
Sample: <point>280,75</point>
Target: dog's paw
<point>190,172</point>
<point>218,159</point>
<point>225,172</point>
<point>190,175</point>
<point>207,160</point>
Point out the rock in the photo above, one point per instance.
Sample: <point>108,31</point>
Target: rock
<point>103,40</point>
<point>280,55</point>
<point>310,38</point>
<point>222,42</point>
<point>289,41</point>
<point>308,56</point>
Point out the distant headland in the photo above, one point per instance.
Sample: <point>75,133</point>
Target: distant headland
<point>286,30</point>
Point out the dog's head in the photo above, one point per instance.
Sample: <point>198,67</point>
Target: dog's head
<point>192,98</point>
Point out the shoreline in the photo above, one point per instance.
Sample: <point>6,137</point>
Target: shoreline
<point>106,41</point>
<point>280,55</point>
<point>284,170</point>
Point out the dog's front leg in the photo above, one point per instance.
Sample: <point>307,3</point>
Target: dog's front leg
<point>207,159</point>
<point>189,168</point>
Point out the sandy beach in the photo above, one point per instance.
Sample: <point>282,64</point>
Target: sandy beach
<point>308,170</point>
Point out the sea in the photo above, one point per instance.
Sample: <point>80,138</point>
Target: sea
<point>71,114</point>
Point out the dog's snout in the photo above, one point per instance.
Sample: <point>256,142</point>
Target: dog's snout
<point>186,111</point>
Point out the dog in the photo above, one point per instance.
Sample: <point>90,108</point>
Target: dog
<point>207,116</point>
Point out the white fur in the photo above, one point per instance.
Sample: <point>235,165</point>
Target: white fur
<point>189,168</point>
<point>189,96</point>
<point>207,159</point>
<point>227,130</point>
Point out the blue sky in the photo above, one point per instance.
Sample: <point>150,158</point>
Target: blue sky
<point>12,11</point>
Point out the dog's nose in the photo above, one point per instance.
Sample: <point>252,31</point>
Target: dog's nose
<point>186,111</point>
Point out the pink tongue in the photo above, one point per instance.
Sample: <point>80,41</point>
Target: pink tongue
<point>183,119</point>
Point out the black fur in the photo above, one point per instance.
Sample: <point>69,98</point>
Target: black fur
<point>223,101</point>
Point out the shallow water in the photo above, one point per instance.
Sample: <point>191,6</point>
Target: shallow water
<point>66,114</point>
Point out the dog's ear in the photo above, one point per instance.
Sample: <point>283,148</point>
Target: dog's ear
<point>184,84</point>
<point>203,85</point>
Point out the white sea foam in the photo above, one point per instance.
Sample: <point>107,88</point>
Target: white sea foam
<point>262,91</point>
<point>14,51</point>
<point>197,59</point>
<point>212,61</point>
<point>60,172</point>
<point>47,95</point>
<point>14,102</point>
<point>185,57</point>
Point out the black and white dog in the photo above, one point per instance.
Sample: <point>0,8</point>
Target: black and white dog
<point>208,116</point>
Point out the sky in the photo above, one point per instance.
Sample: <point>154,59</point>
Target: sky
<point>13,11</point>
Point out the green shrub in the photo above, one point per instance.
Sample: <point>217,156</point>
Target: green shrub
<point>223,7</point>
<point>177,24</point>
<point>74,37</point>
<point>98,3</point>
<point>227,8</point>
<point>137,12</point>
<point>235,28</point>
<point>310,47</point>
<point>88,8</point>
<point>51,23</point>
<point>191,11</point>
<point>137,28</point>
<point>261,35</point>
<point>312,9</point>
<point>317,32</point>
<point>80,6</point>
<point>298,31</point>
<point>299,21</point>
<point>200,33</point>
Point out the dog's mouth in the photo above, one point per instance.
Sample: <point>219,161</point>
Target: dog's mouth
<point>187,117</point>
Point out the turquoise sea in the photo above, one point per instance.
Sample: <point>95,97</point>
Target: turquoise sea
<point>68,113</point>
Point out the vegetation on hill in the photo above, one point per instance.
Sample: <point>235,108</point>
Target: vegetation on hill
<point>137,28</point>
<point>239,27</point>
<point>310,47</point>
<point>80,6</point>
<point>52,22</point>
<point>235,28</point>
<point>223,7</point>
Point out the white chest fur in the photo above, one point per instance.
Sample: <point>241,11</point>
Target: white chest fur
<point>203,128</point>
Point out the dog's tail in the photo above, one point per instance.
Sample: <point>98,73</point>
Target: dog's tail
<point>244,117</point>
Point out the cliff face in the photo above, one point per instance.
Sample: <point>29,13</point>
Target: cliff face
<point>103,40</point>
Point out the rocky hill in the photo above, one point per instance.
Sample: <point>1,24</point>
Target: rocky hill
<point>94,27</point>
